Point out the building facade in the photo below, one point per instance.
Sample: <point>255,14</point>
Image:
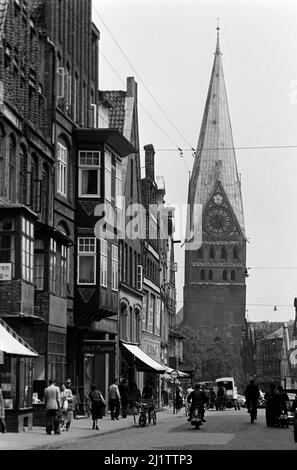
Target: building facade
<point>214,289</point>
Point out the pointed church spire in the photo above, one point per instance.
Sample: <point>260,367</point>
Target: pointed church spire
<point>218,51</point>
<point>215,156</point>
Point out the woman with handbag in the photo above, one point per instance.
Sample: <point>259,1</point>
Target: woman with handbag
<point>66,406</point>
<point>97,405</point>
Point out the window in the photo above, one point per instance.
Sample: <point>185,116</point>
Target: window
<point>115,268</point>
<point>200,253</point>
<point>210,276</point>
<point>233,278</point>
<point>235,253</point>
<point>39,264</point>
<point>151,314</point>
<point>144,311</point>
<point>86,262</point>
<point>7,242</point>
<point>107,173</point>
<point>12,173</point>
<point>63,270</point>
<point>118,189</point>
<point>224,275</point>
<point>45,188</point>
<point>23,188</point>
<point>53,266</point>
<point>132,178</point>
<point>202,275</point>
<point>27,244</point>
<point>103,262</point>
<point>158,317</point>
<point>62,169</point>
<point>224,253</point>
<point>89,174</point>
<point>211,252</point>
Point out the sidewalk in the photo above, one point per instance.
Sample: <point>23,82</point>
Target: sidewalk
<point>37,439</point>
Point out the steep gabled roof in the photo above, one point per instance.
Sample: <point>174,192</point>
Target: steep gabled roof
<point>3,11</point>
<point>215,157</point>
<point>117,112</point>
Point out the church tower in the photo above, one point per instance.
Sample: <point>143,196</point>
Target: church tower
<point>215,290</point>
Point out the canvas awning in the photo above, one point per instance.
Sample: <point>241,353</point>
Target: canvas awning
<point>12,343</point>
<point>143,362</point>
<point>181,375</point>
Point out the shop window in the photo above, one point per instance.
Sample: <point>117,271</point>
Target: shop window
<point>107,176</point>
<point>62,166</point>
<point>57,356</point>
<point>39,256</point>
<point>86,261</point>
<point>103,262</point>
<point>115,268</point>
<point>27,244</point>
<point>89,174</point>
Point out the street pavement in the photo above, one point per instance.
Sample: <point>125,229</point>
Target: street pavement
<point>80,429</point>
<point>228,430</point>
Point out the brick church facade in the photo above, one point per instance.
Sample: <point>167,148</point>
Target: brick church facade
<point>215,273</point>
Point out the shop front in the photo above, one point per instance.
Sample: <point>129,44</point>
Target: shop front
<point>150,368</point>
<point>16,379</point>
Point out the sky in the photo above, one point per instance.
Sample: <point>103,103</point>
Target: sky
<point>168,46</point>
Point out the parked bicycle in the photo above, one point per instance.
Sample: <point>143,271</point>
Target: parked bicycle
<point>146,411</point>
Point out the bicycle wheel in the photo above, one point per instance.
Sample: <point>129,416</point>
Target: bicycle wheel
<point>142,420</point>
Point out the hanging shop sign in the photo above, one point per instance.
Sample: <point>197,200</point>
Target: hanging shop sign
<point>5,272</point>
<point>98,346</point>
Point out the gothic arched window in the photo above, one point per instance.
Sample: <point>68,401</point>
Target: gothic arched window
<point>211,252</point>
<point>224,253</point>
<point>210,276</point>
<point>235,253</point>
<point>232,275</point>
<point>224,275</point>
<point>202,275</point>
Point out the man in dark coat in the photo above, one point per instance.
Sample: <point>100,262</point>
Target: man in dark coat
<point>252,395</point>
<point>125,396</point>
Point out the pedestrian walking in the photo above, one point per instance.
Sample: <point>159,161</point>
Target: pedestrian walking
<point>98,405</point>
<point>283,399</point>
<point>252,395</point>
<point>178,399</point>
<point>114,400</point>
<point>221,397</point>
<point>66,398</point>
<point>53,405</point>
<point>125,396</point>
<point>2,413</point>
<point>75,400</point>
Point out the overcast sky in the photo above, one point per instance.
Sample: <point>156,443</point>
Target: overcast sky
<point>170,45</point>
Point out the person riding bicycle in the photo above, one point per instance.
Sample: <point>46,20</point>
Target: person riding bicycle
<point>197,398</point>
<point>252,395</point>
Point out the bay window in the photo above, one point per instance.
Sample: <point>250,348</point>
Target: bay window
<point>103,262</point>
<point>89,174</point>
<point>86,262</point>
<point>27,247</point>
<point>62,163</point>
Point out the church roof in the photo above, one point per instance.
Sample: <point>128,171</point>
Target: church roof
<point>215,157</point>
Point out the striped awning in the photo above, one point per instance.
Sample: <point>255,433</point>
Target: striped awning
<point>12,343</point>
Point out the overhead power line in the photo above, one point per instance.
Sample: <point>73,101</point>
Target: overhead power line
<point>235,148</point>
<point>147,112</point>
<point>140,79</point>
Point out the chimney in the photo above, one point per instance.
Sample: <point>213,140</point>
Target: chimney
<point>149,161</point>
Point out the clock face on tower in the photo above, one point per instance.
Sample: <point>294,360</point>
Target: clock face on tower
<point>218,221</point>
